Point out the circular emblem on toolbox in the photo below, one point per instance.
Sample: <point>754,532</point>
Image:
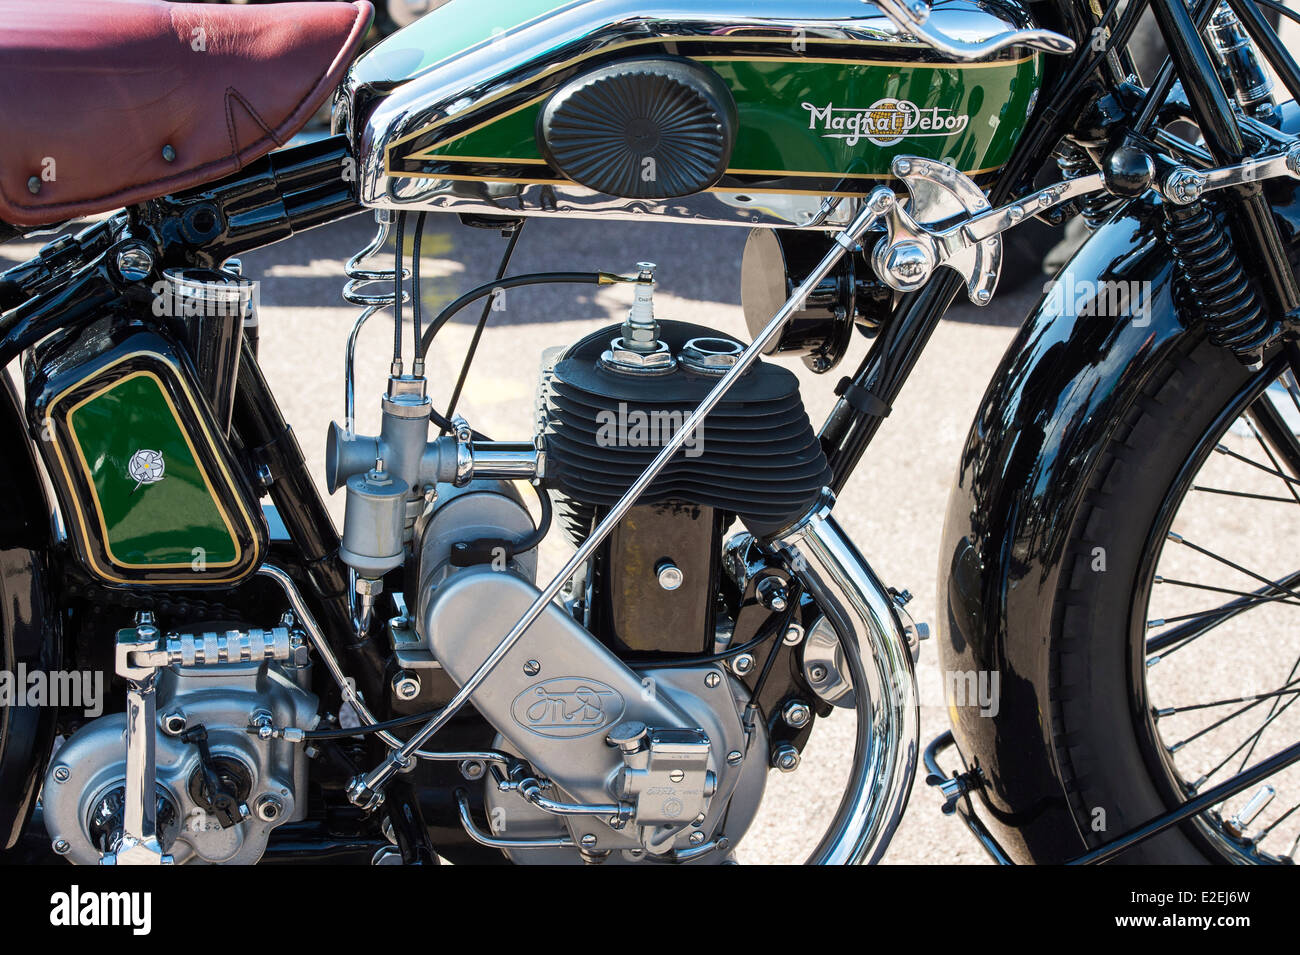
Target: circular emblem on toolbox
<point>146,467</point>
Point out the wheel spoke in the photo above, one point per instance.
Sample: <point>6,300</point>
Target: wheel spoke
<point>1215,725</point>
<point>1217,612</point>
<point>1281,691</point>
<point>1266,413</point>
<point>1273,825</point>
<point>1224,449</point>
<point>1271,713</point>
<point>1256,497</point>
<point>1181,635</point>
<point>1246,716</point>
<point>1252,595</point>
<point>1255,737</point>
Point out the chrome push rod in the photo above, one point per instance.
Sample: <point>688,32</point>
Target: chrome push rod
<point>367,790</point>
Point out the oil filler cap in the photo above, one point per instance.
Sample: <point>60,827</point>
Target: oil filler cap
<point>655,128</point>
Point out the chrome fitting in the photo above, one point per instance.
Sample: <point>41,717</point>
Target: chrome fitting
<point>710,356</point>
<point>1184,186</point>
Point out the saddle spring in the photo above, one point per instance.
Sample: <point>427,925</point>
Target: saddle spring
<point>371,290</point>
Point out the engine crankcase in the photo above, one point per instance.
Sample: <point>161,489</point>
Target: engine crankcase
<point>555,698</point>
<point>85,784</point>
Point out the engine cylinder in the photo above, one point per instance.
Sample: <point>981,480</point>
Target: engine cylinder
<point>756,456</point>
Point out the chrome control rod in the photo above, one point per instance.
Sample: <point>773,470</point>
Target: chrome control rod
<point>366,791</point>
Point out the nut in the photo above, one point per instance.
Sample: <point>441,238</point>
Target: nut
<point>269,808</point>
<point>406,685</point>
<point>742,663</point>
<point>796,714</point>
<point>785,758</point>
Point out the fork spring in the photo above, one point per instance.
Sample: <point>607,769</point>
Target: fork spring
<point>1073,161</point>
<point>1214,284</point>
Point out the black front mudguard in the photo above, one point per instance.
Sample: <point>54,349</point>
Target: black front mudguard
<point>29,618</point>
<point>1044,420</point>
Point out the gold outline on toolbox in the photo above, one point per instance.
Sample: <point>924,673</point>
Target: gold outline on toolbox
<point>90,479</point>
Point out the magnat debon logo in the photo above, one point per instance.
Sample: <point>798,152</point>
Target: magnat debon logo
<point>885,122</point>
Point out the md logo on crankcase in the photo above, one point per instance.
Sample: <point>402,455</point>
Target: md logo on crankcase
<point>567,707</point>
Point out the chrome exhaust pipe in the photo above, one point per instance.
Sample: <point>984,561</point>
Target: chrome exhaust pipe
<point>876,654</point>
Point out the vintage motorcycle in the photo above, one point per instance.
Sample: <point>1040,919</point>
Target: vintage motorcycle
<point>408,690</point>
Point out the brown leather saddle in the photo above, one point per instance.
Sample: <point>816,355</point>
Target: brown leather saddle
<point>105,103</point>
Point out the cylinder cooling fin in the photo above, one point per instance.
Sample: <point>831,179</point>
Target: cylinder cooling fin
<point>756,456</point>
<point>655,128</point>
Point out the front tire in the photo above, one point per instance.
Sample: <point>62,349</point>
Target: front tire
<point>1116,768</point>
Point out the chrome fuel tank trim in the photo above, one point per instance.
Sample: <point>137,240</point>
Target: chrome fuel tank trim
<point>400,92</point>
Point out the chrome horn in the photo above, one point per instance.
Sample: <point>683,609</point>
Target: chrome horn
<point>912,16</point>
<point>879,661</point>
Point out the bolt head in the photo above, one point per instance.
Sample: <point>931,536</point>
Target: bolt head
<point>735,757</point>
<point>670,575</point>
<point>1184,186</point>
<point>629,736</point>
<point>134,263</point>
<point>588,841</point>
<point>472,769</point>
<point>785,758</point>
<point>61,846</point>
<point>881,201</point>
<point>773,595</point>
<point>173,723</point>
<point>793,635</point>
<point>62,774</point>
<point>169,153</point>
<point>742,664</point>
<point>532,668</point>
<point>909,262</point>
<point>269,808</point>
<point>367,587</point>
<point>1293,160</point>
<point>697,837</point>
<point>796,714</point>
